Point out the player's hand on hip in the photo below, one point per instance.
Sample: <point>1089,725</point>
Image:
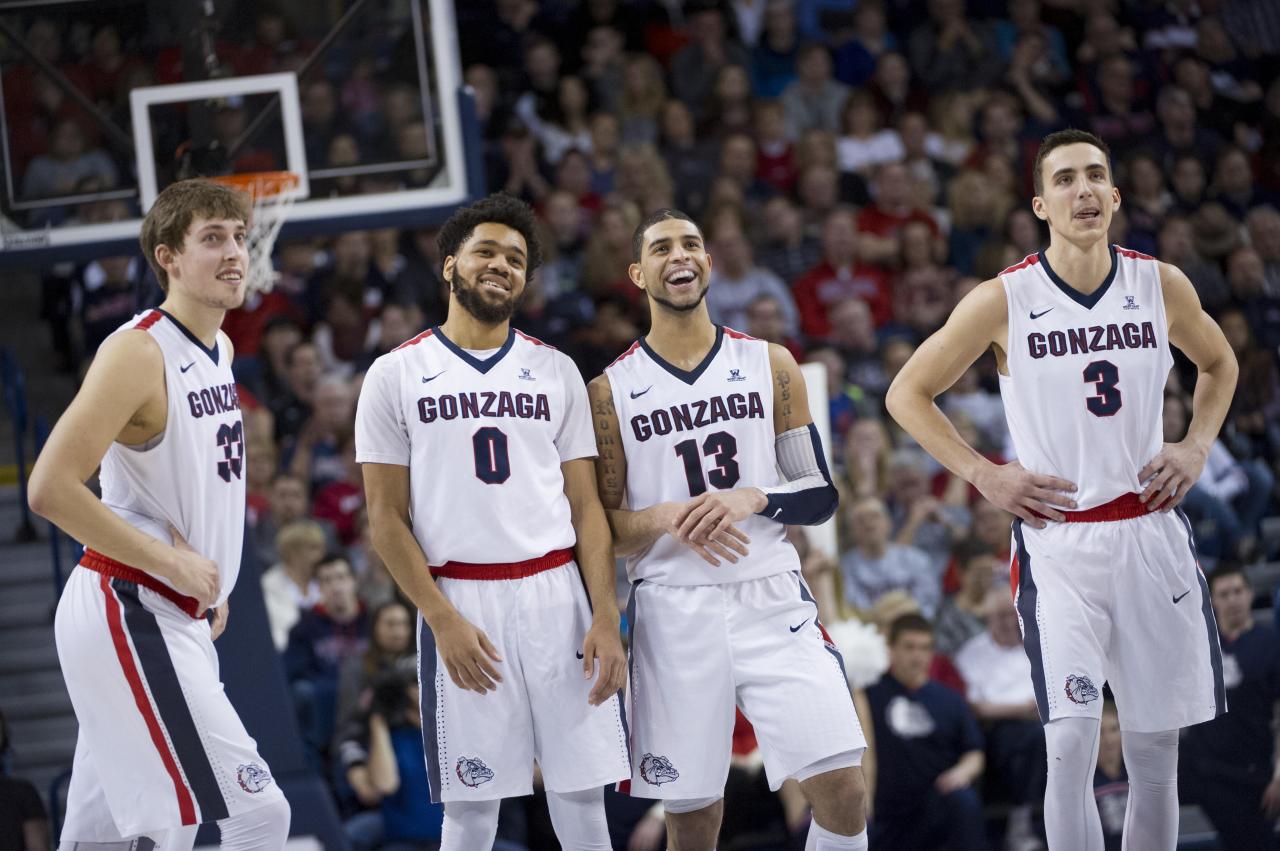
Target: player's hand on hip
<point>604,643</point>
<point>1031,496</point>
<point>1171,473</point>
<point>468,655</point>
<point>220,615</point>
<point>193,574</point>
<point>728,545</point>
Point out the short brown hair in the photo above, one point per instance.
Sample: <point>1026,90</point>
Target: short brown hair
<point>910,622</point>
<point>1070,136</point>
<point>180,204</point>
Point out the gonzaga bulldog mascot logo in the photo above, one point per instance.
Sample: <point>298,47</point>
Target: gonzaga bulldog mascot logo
<point>1080,689</point>
<point>473,772</point>
<point>657,770</point>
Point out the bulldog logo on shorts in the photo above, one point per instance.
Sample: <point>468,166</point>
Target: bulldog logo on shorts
<point>1080,689</point>
<point>253,778</point>
<point>473,772</point>
<point>657,770</point>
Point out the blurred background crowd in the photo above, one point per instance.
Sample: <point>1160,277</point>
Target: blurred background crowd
<point>856,167</point>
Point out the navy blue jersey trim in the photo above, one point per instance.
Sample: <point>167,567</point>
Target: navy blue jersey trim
<point>481,366</point>
<point>1085,301</point>
<point>427,707</point>
<point>1210,623</point>
<point>687,376</point>
<point>171,704</point>
<point>211,352</point>
<point>1027,593</point>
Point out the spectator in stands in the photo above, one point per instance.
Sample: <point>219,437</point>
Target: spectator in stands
<point>68,161</point>
<point>1255,410</point>
<point>865,143</point>
<point>880,223</point>
<point>391,643</point>
<point>691,161</point>
<point>314,455</point>
<point>289,587</point>
<point>1110,781</point>
<point>341,500</point>
<point>875,565</point>
<point>1178,246</point>
<point>929,750</point>
<point>1264,235</point>
<point>1001,692</point>
<point>324,639</point>
<point>292,409</point>
<point>736,281</point>
<point>951,51</point>
<point>1119,116</point>
<point>963,614</point>
<point>922,520</point>
<point>766,319</point>
<point>694,67</point>
<point>24,826</point>
<point>381,757</point>
<point>286,502</point>
<point>840,275</point>
<point>773,59</point>
<point>1247,277</point>
<point>776,156</point>
<point>640,102</point>
<point>814,101</point>
<point>1179,135</point>
<point>104,296</point>
<point>787,250</point>
<point>1228,763</point>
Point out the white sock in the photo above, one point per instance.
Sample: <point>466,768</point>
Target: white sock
<point>578,818</point>
<point>1070,812</point>
<point>821,839</point>
<point>469,825</point>
<point>263,829</point>
<point>1151,817</point>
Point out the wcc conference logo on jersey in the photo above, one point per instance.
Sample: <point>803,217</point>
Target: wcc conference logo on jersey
<point>472,772</point>
<point>657,770</point>
<point>1080,689</point>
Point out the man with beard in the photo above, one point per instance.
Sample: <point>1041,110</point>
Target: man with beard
<point>693,422</point>
<point>476,443</point>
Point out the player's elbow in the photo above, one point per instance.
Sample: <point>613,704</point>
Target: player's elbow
<point>42,490</point>
<point>896,400</point>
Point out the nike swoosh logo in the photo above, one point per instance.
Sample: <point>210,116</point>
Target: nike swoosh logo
<point>434,377</point>
<point>1178,598</point>
<point>1035,315</point>
<point>188,366</point>
<point>578,654</point>
<point>798,626</point>
<point>635,395</point>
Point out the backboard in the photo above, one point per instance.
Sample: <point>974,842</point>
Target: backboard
<point>105,102</point>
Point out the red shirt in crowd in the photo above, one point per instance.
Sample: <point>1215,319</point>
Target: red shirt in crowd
<point>822,286</point>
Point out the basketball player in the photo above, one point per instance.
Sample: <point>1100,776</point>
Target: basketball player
<point>693,422</point>
<point>1104,569</point>
<point>160,750</point>
<point>477,449</point>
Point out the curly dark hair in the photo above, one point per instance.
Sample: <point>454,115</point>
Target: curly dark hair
<point>498,208</point>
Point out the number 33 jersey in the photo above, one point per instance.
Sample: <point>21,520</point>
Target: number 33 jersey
<point>483,438</point>
<point>191,475</point>
<point>1084,396</point>
<point>689,432</point>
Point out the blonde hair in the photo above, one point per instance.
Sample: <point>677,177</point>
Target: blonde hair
<point>297,534</point>
<point>179,205</point>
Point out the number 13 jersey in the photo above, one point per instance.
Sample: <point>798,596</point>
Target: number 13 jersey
<point>1084,396</point>
<point>687,432</point>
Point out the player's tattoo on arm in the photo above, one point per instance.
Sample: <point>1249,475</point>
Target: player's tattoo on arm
<point>783,379</point>
<point>610,461</point>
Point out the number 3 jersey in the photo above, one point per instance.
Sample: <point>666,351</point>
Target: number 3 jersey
<point>1084,397</point>
<point>483,439</point>
<point>191,475</point>
<point>687,432</point>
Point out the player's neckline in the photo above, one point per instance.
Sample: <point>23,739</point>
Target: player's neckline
<point>481,365</point>
<point>688,376</point>
<point>1085,300</point>
<point>211,351</point>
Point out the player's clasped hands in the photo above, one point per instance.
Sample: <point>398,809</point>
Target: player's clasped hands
<point>468,654</point>
<point>1031,496</point>
<point>193,574</point>
<point>704,524</point>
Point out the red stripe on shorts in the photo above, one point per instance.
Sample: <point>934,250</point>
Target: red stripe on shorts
<point>186,806</point>
<point>1013,577</point>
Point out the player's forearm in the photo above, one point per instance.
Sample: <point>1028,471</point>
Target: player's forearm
<point>634,531</point>
<point>74,509</point>
<point>394,542</point>
<point>921,418</point>
<point>1215,385</point>
<point>595,558</point>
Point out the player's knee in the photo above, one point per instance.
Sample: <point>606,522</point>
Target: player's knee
<point>835,784</point>
<point>689,806</point>
<point>264,828</point>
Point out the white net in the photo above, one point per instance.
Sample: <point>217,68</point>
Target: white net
<point>272,194</point>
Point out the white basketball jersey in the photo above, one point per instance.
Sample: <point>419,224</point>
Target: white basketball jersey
<point>1085,392</point>
<point>191,475</point>
<point>483,441</point>
<point>686,432</point>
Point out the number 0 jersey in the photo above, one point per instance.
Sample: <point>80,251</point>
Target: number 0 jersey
<point>1084,397</point>
<point>685,432</point>
<point>191,475</point>
<point>483,441</point>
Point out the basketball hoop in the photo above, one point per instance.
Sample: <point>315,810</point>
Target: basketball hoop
<point>272,193</point>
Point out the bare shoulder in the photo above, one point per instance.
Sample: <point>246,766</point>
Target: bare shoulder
<point>986,302</point>
<point>600,391</point>
<point>780,357</point>
<point>1180,297</point>
<point>127,358</point>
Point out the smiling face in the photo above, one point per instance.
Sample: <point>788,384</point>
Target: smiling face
<point>1078,197</point>
<point>674,265</point>
<point>211,264</point>
<point>487,275</point>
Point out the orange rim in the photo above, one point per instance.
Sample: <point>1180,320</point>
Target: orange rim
<point>260,184</point>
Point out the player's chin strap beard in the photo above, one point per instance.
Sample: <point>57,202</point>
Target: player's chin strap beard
<point>468,295</point>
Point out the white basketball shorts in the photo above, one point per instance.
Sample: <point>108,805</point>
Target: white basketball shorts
<point>699,650</point>
<point>1120,601</point>
<point>160,745</point>
<point>481,747</point>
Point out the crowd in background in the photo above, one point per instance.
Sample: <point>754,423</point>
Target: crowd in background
<point>856,168</point>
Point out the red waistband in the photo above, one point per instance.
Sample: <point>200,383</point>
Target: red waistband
<point>1124,507</point>
<point>503,570</point>
<point>108,566</point>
